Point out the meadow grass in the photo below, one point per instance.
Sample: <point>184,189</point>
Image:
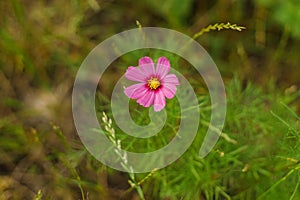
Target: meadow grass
<point>257,156</point>
<point>43,43</point>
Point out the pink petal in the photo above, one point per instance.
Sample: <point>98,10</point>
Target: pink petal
<point>147,66</point>
<point>171,79</point>
<point>162,67</point>
<point>147,99</point>
<point>169,90</point>
<point>136,91</point>
<point>135,74</point>
<point>159,101</point>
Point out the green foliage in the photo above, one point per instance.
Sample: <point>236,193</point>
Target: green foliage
<point>39,195</point>
<point>261,159</point>
<point>42,45</point>
<point>13,138</point>
<point>285,13</point>
<point>175,11</point>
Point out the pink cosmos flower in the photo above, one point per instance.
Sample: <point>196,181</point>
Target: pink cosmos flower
<point>154,83</point>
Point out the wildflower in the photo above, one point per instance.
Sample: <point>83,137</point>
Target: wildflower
<point>154,83</point>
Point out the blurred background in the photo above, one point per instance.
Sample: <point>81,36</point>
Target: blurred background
<point>42,44</point>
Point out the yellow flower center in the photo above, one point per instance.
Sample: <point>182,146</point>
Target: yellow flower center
<point>153,83</point>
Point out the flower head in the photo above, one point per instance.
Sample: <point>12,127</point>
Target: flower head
<point>154,84</point>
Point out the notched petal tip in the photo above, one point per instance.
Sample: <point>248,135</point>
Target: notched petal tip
<point>135,74</point>
<point>145,60</point>
<point>164,61</point>
<point>158,107</point>
<point>147,66</point>
<point>163,67</point>
<point>171,79</point>
<point>169,90</point>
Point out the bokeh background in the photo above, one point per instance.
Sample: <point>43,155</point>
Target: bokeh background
<point>42,44</point>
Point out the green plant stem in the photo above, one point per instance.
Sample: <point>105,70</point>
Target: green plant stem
<point>280,49</point>
<point>296,188</point>
<point>279,181</point>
